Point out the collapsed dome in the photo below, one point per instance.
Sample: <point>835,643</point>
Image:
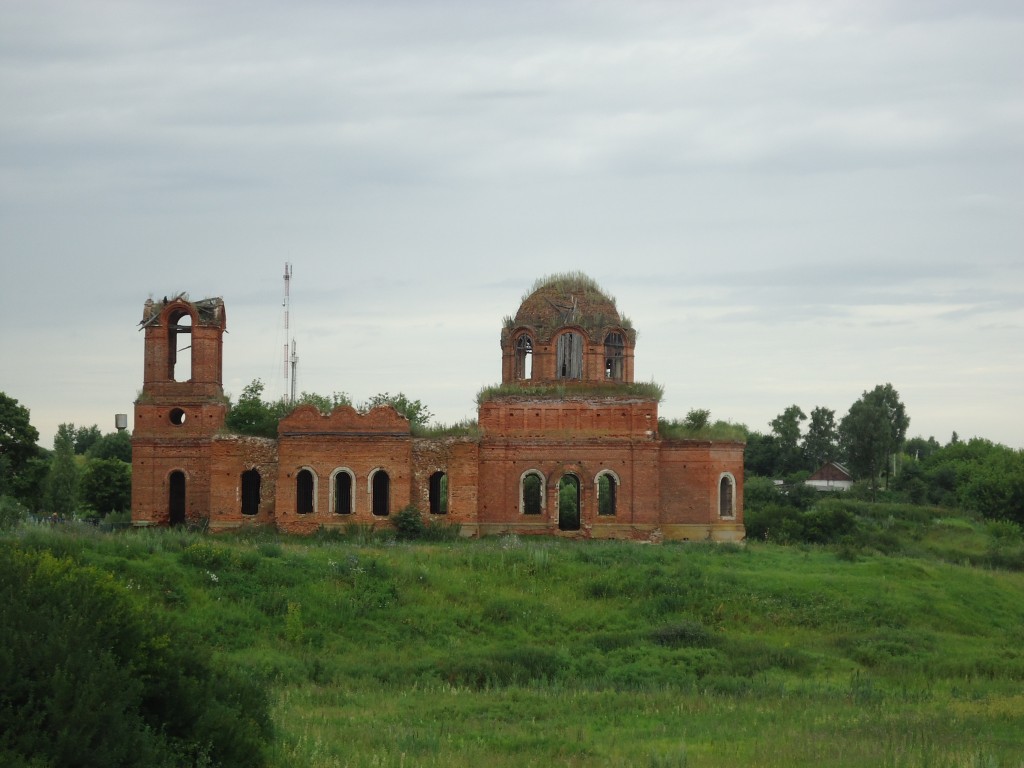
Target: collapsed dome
<point>567,299</point>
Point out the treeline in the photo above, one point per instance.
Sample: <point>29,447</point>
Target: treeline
<point>870,442</point>
<point>87,474</point>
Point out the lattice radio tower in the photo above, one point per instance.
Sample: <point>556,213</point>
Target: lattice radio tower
<point>291,360</point>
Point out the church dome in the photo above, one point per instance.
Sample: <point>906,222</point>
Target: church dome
<point>567,299</point>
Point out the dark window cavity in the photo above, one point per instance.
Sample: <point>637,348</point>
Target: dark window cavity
<point>380,489</point>
<point>343,493</point>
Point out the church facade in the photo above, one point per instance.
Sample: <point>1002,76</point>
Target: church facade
<point>567,445</point>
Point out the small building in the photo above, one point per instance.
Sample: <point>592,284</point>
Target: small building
<point>567,444</point>
<point>832,476</point>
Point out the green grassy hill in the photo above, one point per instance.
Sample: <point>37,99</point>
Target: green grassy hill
<point>519,652</point>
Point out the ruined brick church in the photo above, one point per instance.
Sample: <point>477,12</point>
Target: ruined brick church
<point>567,445</point>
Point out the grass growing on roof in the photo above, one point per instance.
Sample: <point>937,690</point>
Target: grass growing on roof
<point>646,390</point>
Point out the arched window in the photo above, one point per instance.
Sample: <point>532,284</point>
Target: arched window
<point>179,340</point>
<point>569,503</point>
<point>607,486</point>
<point>727,496</point>
<point>176,497</point>
<point>380,493</point>
<point>524,357</point>
<point>305,483</point>
<point>569,356</point>
<point>614,344</point>
<point>250,492</point>
<point>438,493</point>
<point>341,488</point>
<point>531,492</point>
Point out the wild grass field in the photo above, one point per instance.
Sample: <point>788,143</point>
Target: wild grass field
<point>538,652</point>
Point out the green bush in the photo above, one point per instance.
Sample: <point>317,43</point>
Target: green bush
<point>90,678</point>
<point>11,512</point>
<point>409,523</point>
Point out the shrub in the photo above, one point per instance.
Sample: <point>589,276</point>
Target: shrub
<point>11,512</point>
<point>683,634</point>
<point>409,523</point>
<point>88,678</point>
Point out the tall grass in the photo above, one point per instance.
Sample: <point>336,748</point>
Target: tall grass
<point>518,651</point>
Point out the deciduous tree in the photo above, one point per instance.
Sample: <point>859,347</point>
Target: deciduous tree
<point>62,481</point>
<point>820,443</point>
<point>873,431</point>
<point>18,448</point>
<point>786,429</point>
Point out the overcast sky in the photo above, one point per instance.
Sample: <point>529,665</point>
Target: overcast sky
<point>793,202</point>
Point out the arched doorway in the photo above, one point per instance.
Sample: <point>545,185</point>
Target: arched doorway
<point>176,497</point>
<point>438,493</point>
<point>569,503</point>
<point>304,492</point>
<point>250,492</point>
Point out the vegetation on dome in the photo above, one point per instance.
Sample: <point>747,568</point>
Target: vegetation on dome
<point>647,390</point>
<point>569,282</point>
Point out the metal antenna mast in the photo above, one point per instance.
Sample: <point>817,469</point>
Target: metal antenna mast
<point>291,360</point>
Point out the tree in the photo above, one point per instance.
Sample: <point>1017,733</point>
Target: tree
<point>872,432</point>
<point>85,438</point>
<point>18,448</point>
<point>106,486</point>
<point>62,481</point>
<point>820,443</point>
<point>113,445</point>
<point>323,403</point>
<point>252,416</point>
<point>920,449</point>
<point>697,419</point>
<point>761,456</point>
<point>786,428</point>
<point>416,412</point>
<point>995,486</point>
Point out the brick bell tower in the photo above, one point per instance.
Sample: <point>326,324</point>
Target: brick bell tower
<point>181,407</point>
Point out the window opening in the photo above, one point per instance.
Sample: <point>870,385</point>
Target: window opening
<point>380,489</point>
<point>304,492</point>
<point>250,492</point>
<point>524,357</point>
<point>343,493</point>
<point>438,493</point>
<point>179,341</point>
<point>569,356</point>
<point>725,497</point>
<point>614,344</point>
<point>178,417</point>
<point>176,497</point>
<point>569,503</point>
<point>531,497</point>
<point>607,493</point>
